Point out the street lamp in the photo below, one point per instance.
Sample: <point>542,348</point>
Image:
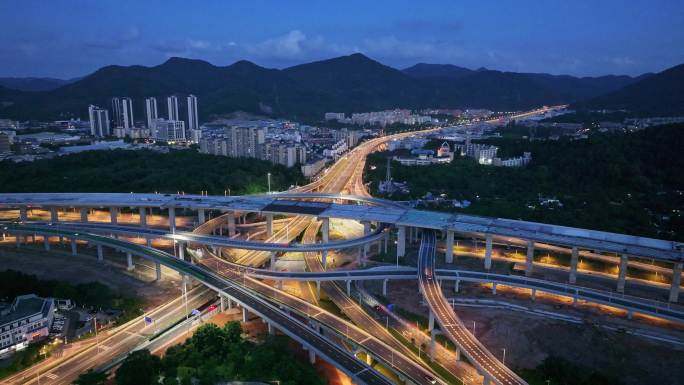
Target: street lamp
<point>503,359</point>
<point>268,177</point>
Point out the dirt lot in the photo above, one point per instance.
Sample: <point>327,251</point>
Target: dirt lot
<point>529,338</point>
<point>85,268</point>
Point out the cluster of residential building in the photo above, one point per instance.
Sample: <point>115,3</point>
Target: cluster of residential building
<point>121,123</point>
<point>278,141</point>
<point>379,118</point>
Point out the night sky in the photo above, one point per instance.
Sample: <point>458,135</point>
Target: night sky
<point>73,38</point>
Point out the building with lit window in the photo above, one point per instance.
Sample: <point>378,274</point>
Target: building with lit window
<point>28,319</point>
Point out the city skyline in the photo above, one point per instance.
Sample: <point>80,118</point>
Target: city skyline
<point>579,39</point>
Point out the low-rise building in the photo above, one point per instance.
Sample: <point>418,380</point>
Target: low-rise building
<point>313,167</point>
<point>28,319</point>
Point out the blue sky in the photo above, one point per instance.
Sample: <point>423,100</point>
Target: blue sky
<point>581,37</point>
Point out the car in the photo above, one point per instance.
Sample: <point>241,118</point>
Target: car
<point>431,380</point>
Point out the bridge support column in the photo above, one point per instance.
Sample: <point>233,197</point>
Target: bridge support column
<point>493,287</point>
<point>46,242</point>
<point>622,273</point>
<point>456,284</point>
<point>231,224</point>
<point>157,268</point>
<point>113,213</point>
<point>457,353</point>
<point>384,287</point>
<point>676,280</point>
<point>181,250</point>
<point>129,262</point>
<point>148,241</point>
<point>386,240</point>
<point>245,314</point>
<point>84,214</point>
<point>348,288</point>
<point>431,321</point>
<point>143,216</point>
<point>534,295</point>
<point>401,241</point>
<point>529,259</point>
<point>17,240</point>
<point>324,258</point>
<point>366,232</point>
<point>488,252</point>
<point>433,342</point>
<point>269,225</point>
<point>312,356</point>
<point>100,256</point>
<point>73,246</point>
<point>23,213</point>
<point>574,259</point>
<point>54,216</point>
<point>449,253</point>
<point>273,261</point>
<point>270,328</point>
<point>318,290</point>
<point>172,219</point>
<point>201,218</point>
<point>223,303</point>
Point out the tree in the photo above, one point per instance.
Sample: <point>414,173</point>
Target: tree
<point>91,378</point>
<point>139,368</point>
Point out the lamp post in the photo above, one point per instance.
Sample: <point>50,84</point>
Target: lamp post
<point>503,359</point>
<point>268,177</point>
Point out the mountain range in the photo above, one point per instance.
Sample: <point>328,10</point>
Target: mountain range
<point>353,83</point>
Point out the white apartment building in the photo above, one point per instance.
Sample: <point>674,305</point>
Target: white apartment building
<point>28,319</point>
<point>168,130</point>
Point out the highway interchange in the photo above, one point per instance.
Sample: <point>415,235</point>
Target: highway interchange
<point>239,279</point>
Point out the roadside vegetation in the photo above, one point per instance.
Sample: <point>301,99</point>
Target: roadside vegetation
<point>215,354</point>
<point>559,371</point>
<point>624,182</point>
<point>146,171</point>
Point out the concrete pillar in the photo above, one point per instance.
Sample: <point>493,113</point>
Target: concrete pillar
<point>73,247</point>
<point>245,316</point>
<point>384,287</point>
<point>318,290</point>
<point>676,280</point>
<point>270,329</point>
<point>324,258</point>
<point>457,353</point>
<point>534,295</point>
<point>486,380</point>
<point>181,250</point>
<point>200,216</point>
<point>54,216</point>
<point>172,219</point>
<point>456,284</point>
<point>348,288</point>
<point>269,225</point>
<point>493,287</point>
<point>366,231</point>
<point>143,216</point>
<point>46,242</point>
<point>312,357</point>
<point>574,259</point>
<point>100,256</point>
<point>622,273</point>
<point>529,259</point>
<point>273,260</point>
<point>433,342</point>
<point>148,241</point>
<point>386,240</point>
<point>157,268</point>
<point>113,213</point>
<point>129,262</point>
<point>223,303</point>
<point>449,244</point>
<point>23,214</point>
<point>231,224</point>
<point>84,214</point>
<point>488,252</point>
<point>431,321</point>
<point>401,241</point>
